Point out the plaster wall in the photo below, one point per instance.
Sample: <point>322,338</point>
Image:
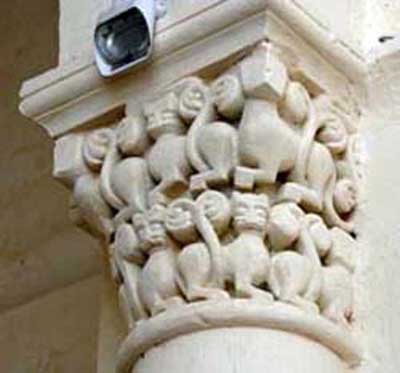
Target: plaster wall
<point>337,16</point>
<point>360,24</point>
<point>56,333</point>
<point>378,284</point>
<point>381,19</point>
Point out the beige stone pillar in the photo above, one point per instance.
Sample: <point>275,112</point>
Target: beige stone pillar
<point>222,180</point>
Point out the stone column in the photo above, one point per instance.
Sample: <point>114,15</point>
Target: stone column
<point>222,181</point>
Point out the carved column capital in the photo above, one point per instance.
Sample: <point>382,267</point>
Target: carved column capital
<point>223,180</point>
<point>226,201</point>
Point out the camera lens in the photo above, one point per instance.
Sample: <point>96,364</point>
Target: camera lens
<point>123,39</point>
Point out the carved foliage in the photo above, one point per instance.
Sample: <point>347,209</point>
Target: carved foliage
<point>240,187</point>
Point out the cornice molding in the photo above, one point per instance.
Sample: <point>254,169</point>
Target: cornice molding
<point>50,98</point>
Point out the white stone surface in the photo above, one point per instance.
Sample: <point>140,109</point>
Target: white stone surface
<point>378,286</point>
<point>381,19</point>
<point>239,350</point>
<point>359,23</point>
<point>337,16</point>
<point>76,27</point>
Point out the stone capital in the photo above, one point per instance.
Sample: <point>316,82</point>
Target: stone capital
<point>223,180</point>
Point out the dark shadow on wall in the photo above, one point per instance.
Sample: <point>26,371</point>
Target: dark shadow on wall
<point>34,223</point>
<point>28,46</point>
<point>28,37</point>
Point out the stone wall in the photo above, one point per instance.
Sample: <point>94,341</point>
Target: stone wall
<point>52,334</point>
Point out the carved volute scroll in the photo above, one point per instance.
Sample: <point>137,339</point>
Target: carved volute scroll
<point>235,191</point>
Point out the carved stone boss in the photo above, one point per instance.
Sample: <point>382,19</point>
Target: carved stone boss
<point>229,198</point>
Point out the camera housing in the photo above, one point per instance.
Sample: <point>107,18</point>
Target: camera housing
<point>124,35</point>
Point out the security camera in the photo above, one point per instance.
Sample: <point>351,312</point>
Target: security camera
<point>124,34</point>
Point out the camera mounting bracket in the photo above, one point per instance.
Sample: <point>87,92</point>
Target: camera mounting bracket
<point>161,6</point>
